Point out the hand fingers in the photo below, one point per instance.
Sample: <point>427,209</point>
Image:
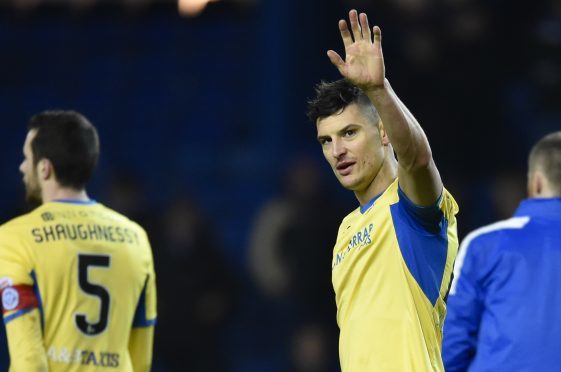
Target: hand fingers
<point>345,33</point>
<point>364,26</point>
<point>377,36</point>
<point>355,26</point>
<point>336,59</point>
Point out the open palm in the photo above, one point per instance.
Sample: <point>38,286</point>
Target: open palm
<point>364,62</point>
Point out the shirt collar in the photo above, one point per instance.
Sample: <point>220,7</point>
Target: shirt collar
<point>539,207</point>
<point>365,207</point>
<point>75,201</point>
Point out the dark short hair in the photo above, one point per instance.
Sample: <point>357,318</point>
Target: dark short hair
<point>546,156</point>
<point>70,142</point>
<point>333,97</point>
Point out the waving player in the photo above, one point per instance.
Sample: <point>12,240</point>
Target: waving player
<point>393,259</point>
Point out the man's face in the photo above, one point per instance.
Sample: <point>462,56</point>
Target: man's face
<point>29,171</point>
<point>352,145</point>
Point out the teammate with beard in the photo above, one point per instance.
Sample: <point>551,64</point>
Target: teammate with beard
<point>77,278</point>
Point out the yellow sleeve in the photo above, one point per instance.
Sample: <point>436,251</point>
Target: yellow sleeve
<point>25,343</point>
<point>20,310</point>
<point>146,312</point>
<point>15,264</point>
<point>140,348</point>
<point>151,299</point>
<point>449,206</point>
<point>142,333</point>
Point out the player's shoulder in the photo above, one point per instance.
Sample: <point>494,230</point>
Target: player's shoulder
<point>485,244</point>
<point>391,195</point>
<point>22,221</point>
<point>488,234</point>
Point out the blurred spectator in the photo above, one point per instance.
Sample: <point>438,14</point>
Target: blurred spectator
<point>290,257</point>
<point>125,193</point>
<point>197,291</point>
<point>292,242</point>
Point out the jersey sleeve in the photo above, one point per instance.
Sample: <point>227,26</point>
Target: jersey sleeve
<point>25,343</point>
<point>140,348</point>
<point>427,240</point>
<point>145,315</point>
<point>20,307</point>
<point>15,265</point>
<point>146,310</point>
<point>16,281</point>
<point>430,218</point>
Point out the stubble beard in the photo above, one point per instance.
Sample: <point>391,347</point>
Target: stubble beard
<point>32,191</point>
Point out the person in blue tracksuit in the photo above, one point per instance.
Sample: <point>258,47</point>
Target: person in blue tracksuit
<point>504,307</point>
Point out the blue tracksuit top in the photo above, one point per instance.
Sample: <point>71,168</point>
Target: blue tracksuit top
<point>504,307</point>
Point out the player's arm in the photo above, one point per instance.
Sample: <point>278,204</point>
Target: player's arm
<point>23,322</point>
<point>141,338</point>
<point>20,309</point>
<point>364,67</point>
<point>25,343</point>
<point>140,348</point>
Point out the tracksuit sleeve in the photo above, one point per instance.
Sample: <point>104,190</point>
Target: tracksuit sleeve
<point>465,307</point>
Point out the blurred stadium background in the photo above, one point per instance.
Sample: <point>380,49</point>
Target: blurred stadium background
<point>201,113</point>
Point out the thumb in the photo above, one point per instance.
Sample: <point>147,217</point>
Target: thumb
<point>336,59</point>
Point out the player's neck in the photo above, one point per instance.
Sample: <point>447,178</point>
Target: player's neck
<point>384,178</point>
<point>63,193</point>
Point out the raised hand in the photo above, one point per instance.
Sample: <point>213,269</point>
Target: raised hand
<point>364,63</point>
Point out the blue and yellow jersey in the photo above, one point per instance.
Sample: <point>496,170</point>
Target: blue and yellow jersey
<point>391,272</point>
<point>86,273</point>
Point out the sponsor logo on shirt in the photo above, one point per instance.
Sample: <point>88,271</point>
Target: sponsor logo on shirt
<point>83,357</point>
<point>47,216</point>
<point>359,240</point>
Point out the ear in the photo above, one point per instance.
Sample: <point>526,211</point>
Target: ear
<point>45,169</point>
<point>383,134</point>
<point>538,185</point>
